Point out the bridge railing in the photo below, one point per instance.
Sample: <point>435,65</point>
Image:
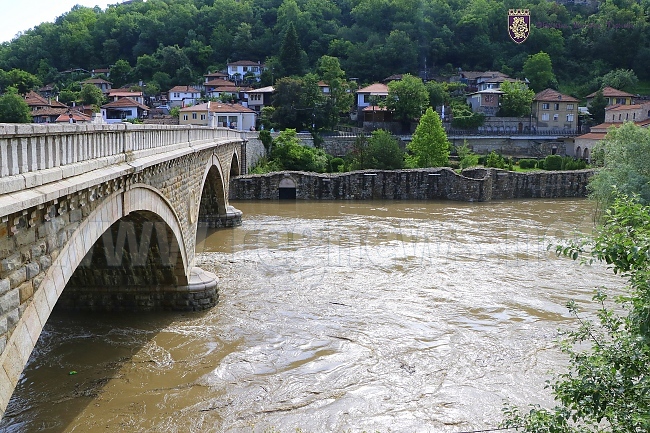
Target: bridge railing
<point>35,154</point>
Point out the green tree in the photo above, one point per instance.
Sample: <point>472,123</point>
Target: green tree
<point>466,156</point>
<point>438,93</point>
<point>13,108</point>
<point>91,95</point>
<point>291,53</point>
<point>291,155</point>
<point>539,71</point>
<point>621,79</point>
<point>121,73</point>
<point>516,100</point>
<point>605,388</point>
<point>429,146</point>
<point>68,96</point>
<point>383,151</point>
<point>597,107</point>
<point>21,80</point>
<point>407,99</point>
<point>625,157</point>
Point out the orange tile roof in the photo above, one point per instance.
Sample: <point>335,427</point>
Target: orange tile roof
<point>553,95</point>
<point>592,136</point>
<point>377,88</point>
<point>219,82</point>
<point>611,92</point>
<point>183,89</point>
<point>218,107</point>
<point>125,102</point>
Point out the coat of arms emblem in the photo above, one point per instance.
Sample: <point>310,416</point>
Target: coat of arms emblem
<point>518,24</point>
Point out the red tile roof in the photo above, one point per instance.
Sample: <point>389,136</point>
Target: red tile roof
<point>184,89</point>
<point>553,95</point>
<point>218,107</point>
<point>125,102</point>
<point>611,93</point>
<point>220,83</point>
<point>245,63</point>
<point>377,88</point>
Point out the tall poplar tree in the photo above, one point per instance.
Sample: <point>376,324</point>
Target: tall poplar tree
<point>291,52</point>
<point>429,146</point>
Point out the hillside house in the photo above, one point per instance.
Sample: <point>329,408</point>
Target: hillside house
<point>553,111</point>
<point>485,101</point>
<point>100,83</point>
<point>123,109</point>
<point>117,94</point>
<point>259,98</point>
<point>613,96</point>
<point>182,96</point>
<point>242,70</point>
<point>218,114</point>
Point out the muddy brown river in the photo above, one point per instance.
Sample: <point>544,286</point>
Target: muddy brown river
<point>388,316</point>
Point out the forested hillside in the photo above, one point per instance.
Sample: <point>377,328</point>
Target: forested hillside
<point>176,41</point>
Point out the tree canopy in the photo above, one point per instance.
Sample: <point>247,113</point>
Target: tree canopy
<point>13,108</point>
<point>372,39</point>
<point>429,146</point>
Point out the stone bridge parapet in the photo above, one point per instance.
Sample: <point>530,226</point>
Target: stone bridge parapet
<point>110,214</point>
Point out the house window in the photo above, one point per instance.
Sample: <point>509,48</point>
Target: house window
<point>177,95</point>
<point>222,121</point>
<point>202,116</point>
<point>569,117</point>
<point>627,116</point>
<point>366,99</point>
<point>555,117</point>
<point>545,106</point>
<point>633,115</point>
<point>619,117</point>
<point>569,106</point>
<point>545,116</point>
<point>193,115</point>
<point>556,106</point>
<point>184,116</point>
<point>620,101</point>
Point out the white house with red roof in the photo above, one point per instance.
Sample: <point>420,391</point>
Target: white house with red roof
<point>123,109</point>
<point>116,94</point>
<point>237,71</point>
<point>219,114</point>
<point>182,96</point>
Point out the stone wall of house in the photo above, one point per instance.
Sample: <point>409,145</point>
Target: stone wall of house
<point>421,184</point>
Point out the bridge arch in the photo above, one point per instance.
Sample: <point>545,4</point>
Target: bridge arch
<point>213,207</point>
<point>136,199</point>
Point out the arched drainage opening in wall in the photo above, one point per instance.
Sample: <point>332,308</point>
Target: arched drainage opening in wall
<point>287,189</point>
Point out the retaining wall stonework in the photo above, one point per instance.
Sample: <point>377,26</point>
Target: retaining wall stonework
<point>418,184</point>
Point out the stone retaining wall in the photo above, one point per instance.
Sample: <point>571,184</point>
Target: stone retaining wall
<point>420,184</point>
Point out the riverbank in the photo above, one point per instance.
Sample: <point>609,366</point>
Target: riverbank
<point>478,184</point>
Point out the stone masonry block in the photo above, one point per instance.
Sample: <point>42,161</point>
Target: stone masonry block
<point>11,263</point>
<point>38,280</point>
<point>3,326</point>
<point>26,291</point>
<point>45,262</point>
<point>10,302</point>
<point>18,277</point>
<point>33,269</point>
<point>26,237</point>
<point>38,249</point>
<point>7,246</point>
<point>5,285</point>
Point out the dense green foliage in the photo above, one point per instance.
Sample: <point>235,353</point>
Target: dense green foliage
<point>407,98</point>
<point>287,153</point>
<point>176,41</point>
<point>13,108</point>
<point>606,386</point>
<point>429,146</point>
<point>527,163</point>
<point>623,155</point>
<point>466,157</point>
<point>516,100</point>
<point>380,151</point>
<point>464,118</point>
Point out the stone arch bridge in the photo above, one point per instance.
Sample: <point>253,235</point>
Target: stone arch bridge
<point>110,213</point>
